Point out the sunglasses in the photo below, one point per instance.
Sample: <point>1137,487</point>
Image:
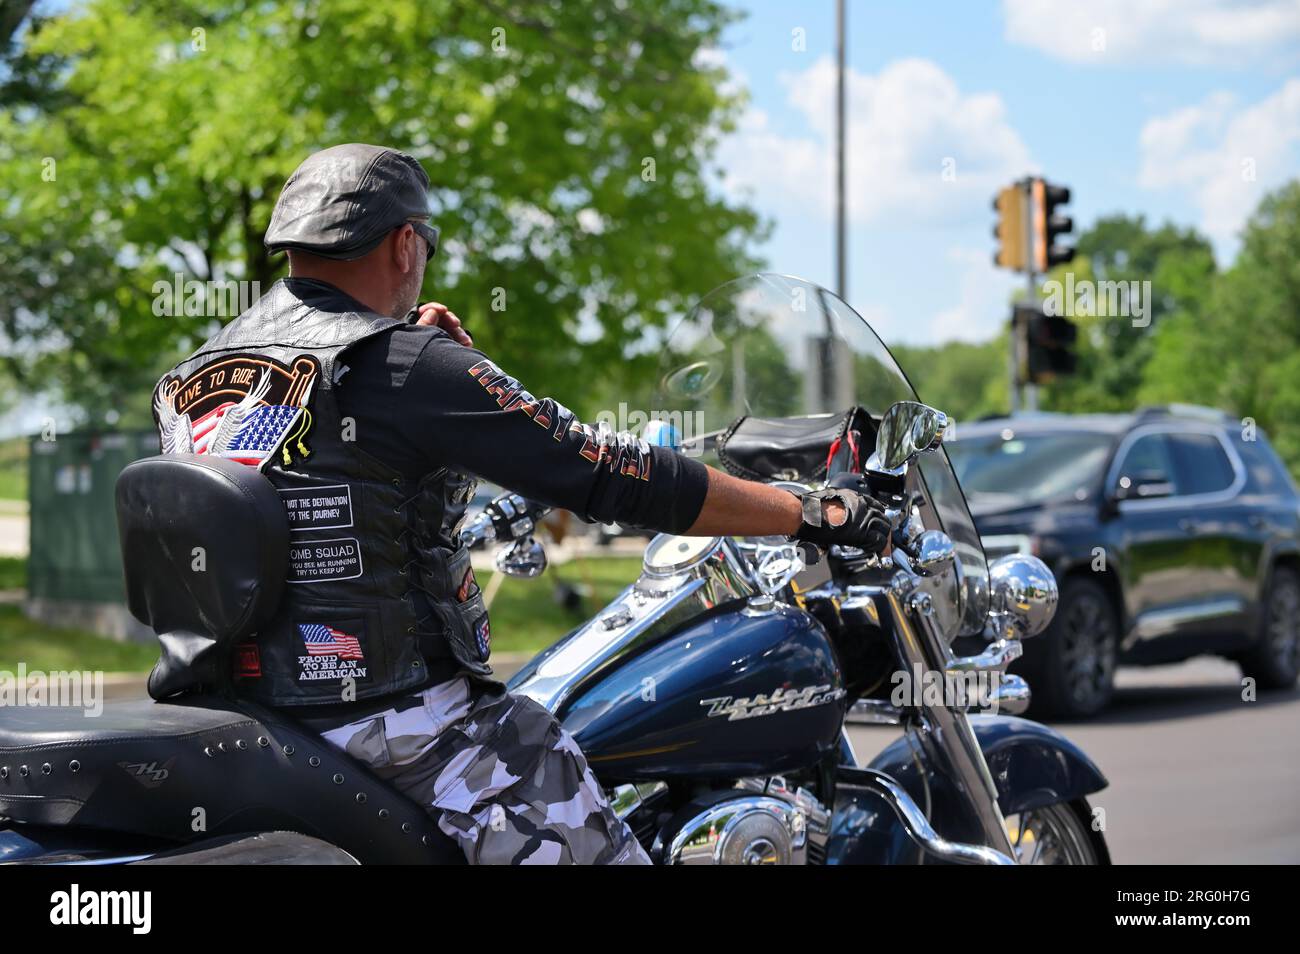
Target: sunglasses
<point>428,232</point>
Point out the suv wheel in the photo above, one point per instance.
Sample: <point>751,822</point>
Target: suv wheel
<point>1274,663</point>
<point>1071,666</point>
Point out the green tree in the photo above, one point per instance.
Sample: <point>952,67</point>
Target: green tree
<point>1242,351</point>
<point>964,380</point>
<point>1115,348</point>
<point>568,148</point>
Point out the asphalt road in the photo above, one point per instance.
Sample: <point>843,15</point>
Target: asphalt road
<point>1196,774</point>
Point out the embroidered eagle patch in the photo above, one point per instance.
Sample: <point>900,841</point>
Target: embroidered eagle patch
<point>243,407</point>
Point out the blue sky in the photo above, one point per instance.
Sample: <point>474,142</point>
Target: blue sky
<point>1186,110</point>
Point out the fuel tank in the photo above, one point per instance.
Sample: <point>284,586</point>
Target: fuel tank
<point>730,693</point>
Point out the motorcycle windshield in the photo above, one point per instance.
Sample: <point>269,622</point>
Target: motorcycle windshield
<point>777,346</point>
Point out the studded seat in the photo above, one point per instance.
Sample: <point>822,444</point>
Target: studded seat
<point>161,770</point>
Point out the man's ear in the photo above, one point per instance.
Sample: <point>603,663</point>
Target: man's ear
<point>406,249</point>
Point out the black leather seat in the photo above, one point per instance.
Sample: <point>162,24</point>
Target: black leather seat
<point>162,769</point>
<point>201,763</point>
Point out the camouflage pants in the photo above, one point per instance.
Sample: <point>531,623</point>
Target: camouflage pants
<point>497,772</point>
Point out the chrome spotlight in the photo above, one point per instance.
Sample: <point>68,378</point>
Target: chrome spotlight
<point>1023,595</point>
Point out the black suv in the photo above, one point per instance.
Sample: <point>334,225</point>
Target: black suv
<point>1172,531</point>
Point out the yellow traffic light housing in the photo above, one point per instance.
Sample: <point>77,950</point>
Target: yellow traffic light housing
<point>1011,230</point>
<point>1049,225</point>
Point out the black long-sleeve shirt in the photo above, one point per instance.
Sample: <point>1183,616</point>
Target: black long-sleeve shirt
<point>423,401</point>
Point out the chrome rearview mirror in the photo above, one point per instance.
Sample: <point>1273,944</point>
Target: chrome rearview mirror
<point>907,429</point>
<point>1023,596</point>
<point>935,553</point>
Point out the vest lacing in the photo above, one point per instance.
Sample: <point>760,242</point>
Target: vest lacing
<point>414,583</point>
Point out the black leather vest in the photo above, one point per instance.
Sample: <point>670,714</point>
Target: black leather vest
<point>379,587</point>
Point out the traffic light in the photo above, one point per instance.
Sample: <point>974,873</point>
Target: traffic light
<point>1049,344</point>
<point>1047,224</point>
<point>1012,229</point>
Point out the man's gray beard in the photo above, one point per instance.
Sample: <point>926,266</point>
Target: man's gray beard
<point>409,295</point>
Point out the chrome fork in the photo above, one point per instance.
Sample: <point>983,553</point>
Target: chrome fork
<point>923,645</point>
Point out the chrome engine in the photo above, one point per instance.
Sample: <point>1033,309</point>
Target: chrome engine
<point>759,822</point>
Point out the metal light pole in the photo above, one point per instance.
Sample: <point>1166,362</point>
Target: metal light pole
<point>841,267</point>
<point>834,359</point>
<point>1031,288</point>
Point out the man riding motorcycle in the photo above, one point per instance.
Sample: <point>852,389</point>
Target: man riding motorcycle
<point>373,420</point>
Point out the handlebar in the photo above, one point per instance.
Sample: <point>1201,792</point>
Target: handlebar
<point>506,518</point>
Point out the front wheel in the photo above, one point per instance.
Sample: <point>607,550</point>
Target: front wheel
<point>1274,662</point>
<point>1061,834</point>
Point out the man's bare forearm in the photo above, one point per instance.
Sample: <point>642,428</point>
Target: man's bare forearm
<point>735,507</point>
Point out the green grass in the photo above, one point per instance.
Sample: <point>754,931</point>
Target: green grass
<point>526,616</point>
<point>13,469</point>
<point>13,573</point>
<point>41,647</point>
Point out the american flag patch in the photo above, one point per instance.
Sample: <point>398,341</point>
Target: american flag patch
<point>206,427</point>
<point>483,636</point>
<point>259,436</point>
<point>323,640</point>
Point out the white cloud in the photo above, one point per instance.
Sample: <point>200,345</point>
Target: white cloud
<point>906,126</point>
<point>1201,32</point>
<point>983,304</point>
<point>1226,156</point>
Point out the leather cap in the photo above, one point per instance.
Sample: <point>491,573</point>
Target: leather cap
<point>342,201</point>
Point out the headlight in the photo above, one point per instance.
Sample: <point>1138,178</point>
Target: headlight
<point>1024,596</point>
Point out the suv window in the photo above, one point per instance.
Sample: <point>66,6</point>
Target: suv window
<point>1267,474</point>
<point>1200,464</point>
<point>1148,459</point>
<point>1030,468</point>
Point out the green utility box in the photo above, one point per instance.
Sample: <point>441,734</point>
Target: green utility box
<point>74,569</point>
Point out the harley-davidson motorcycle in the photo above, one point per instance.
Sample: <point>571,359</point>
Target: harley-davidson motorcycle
<point>711,697</point>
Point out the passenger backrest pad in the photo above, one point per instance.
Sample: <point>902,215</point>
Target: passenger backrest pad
<point>205,550</point>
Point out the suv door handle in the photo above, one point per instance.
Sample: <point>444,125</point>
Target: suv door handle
<point>1259,521</point>
<point>1188,525</point>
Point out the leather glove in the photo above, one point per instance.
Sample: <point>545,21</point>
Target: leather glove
<point>510,517</point>
<point>864,526</point>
